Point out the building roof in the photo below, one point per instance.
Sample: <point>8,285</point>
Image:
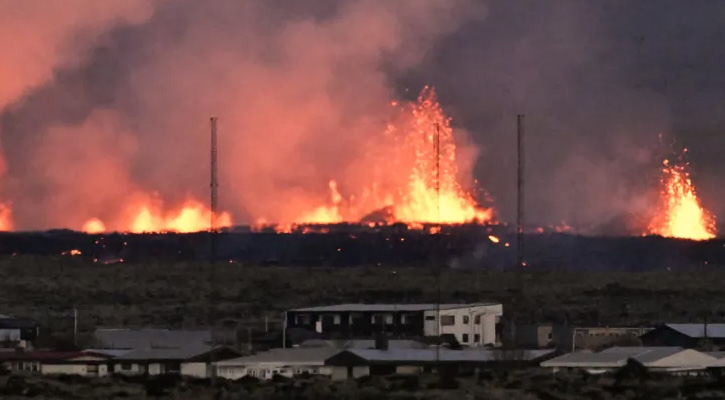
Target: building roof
<point>106,352</point>
<point>698,330</point>
<point>717,354</point>
<point>146,338</point>
<point>179,354</point>
<point>39,355</point>
<point>295,355</point>
<point>667,357</point>
<point>362,344</point>
<point>389,307</point>
<point>445,355</point>
<point>17,323</point>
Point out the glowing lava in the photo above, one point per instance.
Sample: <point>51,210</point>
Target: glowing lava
<point>410,175</point>
<point>6,218</point>
<point>94,226</point>
<point>681,215</point>
<point>192,216</point>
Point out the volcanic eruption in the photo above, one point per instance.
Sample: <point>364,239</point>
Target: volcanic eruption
<point>412,175</point>
<point>680,214</point>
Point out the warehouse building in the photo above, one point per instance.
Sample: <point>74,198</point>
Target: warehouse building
<point>675,360</point>
<point>685,335</point>
<point>472,325</point>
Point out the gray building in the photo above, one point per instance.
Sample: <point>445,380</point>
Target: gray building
<point>685,335</point>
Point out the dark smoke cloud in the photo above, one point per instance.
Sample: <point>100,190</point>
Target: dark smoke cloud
<point>298,89</point>
<point>299,86</point>
<point>599,82</point>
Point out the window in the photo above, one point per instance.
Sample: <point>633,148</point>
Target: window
<point>465,319</point>
<point>302,319</point>
<point>477,338</point>
<point>477,320</point>
<point>406,319</point>
<point>337,319</point>
<point>430,317</point>
<point>389,319</point>
<point>550,336</point>
<point>464,338</point>
<point>447,320</point>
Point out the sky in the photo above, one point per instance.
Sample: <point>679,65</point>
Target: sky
<point>103,103</point>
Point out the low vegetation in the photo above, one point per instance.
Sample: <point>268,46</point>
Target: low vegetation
<point>183,294</point>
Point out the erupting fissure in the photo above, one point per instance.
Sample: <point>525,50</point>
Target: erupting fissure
<point>680,214</point>
<point>192,216</point>
<point>417,149</point>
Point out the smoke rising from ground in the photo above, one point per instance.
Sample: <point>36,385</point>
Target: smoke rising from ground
<point>298,93</point>
<point>599,83</point>
<point>111,101</point>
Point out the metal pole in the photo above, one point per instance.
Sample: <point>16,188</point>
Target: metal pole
<point>212,245</point>
<point>284,330</point>
<point>213,185</point>
<point>75,326</point>
<point>520,189</point>
<point>439,258</point>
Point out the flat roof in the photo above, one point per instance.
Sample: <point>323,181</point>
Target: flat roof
<point>389,307</point>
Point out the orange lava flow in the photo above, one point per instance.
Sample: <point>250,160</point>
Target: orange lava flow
<point>681,215</point>
<point>410,176</point>
<point>6,218</point>
<point>94,226</point>
<point>192,216</point>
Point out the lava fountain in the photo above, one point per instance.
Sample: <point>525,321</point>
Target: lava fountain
<point>411,175</point>
<point>680,214</point>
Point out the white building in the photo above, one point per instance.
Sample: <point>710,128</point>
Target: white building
<point>674,360</point>
<point>56,363</point>
<point>284,362</point>
<point>193,362</point>
<point>472,325</point>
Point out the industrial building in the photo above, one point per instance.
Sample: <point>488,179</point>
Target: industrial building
<point>391,358</point>
<point>685,335</point>
<point>472,325</point>
<point>17,332</point>
<point>675,360</point>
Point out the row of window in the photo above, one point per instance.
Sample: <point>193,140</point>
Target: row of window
<point>447,320</point>
<point>476,338</point>
<point>263,373</point>
<point>377,319</point>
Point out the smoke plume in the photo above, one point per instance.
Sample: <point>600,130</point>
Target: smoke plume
<point>119,103</point>
<point>104,106</point>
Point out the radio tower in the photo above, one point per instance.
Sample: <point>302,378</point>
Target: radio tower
<point>212,248</point>
<point>521,261</point>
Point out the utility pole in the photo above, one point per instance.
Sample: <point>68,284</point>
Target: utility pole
<point>439,245</point>
<point>213,185</point>
<point>521,262</point>
<point>212,248</point>
<point>75,326</point>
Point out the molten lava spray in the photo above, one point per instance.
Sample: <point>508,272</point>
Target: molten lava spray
<point>681,215</point>
<point>399,175</point>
